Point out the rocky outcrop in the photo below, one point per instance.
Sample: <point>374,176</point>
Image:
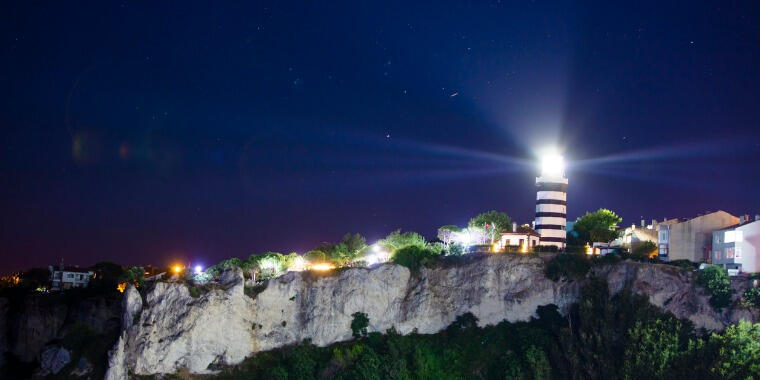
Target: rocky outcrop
<point>53,359</point>
<point>675,290</point>
<point>29,324</point>
<point>223,326</point>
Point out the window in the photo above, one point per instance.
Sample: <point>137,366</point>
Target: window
<point>734,236</point>
<point>717,255</point>
<point>730,252</point>
<point>738,252</point>
<point>521,242</point>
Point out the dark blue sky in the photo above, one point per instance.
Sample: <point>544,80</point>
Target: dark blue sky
<point>141,133</point>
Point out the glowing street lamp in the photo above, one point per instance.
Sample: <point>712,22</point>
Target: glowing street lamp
<point>177,269</point>
<point>322,267</point>
<point>198,269</point>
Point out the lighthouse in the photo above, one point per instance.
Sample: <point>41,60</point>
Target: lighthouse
<point>551,201</point>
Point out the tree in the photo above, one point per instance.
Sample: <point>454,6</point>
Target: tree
<point>107,275</point>
<point>134,275</point>
<point>348,249</point>
<point>412,256</point>
<point>738,351</point>
<point>446,233</point>
<point>315,256</point>
<point>493,223</point>
<point>359,325</point>
<point>598,226</point>
<point>397,240</point>
<point>647,250</point>
<point>35,278</point>
<point>715,280</point>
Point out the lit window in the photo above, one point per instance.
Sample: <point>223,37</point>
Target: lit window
<point>730,252</point>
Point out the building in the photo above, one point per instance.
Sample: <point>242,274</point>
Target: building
<point>632,237</point>
<point>738,247</point>
<point>523,237</point>
<point>691,239</point>
<point>551,202</point>
<point>63,278</point>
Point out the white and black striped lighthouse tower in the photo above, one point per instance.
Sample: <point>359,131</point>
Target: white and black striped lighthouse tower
<point>551,202</point>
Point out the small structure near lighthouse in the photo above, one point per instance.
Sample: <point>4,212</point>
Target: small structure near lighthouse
<point>551,202</point>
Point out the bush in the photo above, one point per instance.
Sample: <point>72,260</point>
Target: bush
<point>359,325</point>
<point>608,259</point>
<point>456,250</point>
<point>751,297</point>
<point>569,265</point>
<point>644,252</point>
<point>715,280</point>
<point>547,248</point>
<point>413,257</point>
<point>134,275</point>
<point>683,264</point>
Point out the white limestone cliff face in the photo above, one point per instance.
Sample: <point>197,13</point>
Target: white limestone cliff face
<point>176,331</point>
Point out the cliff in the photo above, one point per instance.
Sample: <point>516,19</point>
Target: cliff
<point>171,330</point>
<point>34,323</point>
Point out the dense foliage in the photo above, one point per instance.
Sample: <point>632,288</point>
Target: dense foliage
<point>567,265</point>
<point>602,337</point>
<point>715,280</point>
<point>493,223</point>
<point>397,240</point>
<point>413,257</point>
<point>645,251</point>
<point>133,275</point>
<point>751,297</point>
<point>598,226</point>
<point>359,324</point>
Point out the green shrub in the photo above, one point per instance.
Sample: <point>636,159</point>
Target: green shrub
<point>644,252</point>
<point>715,280</point>
<point>683,264</point>
<point>413,257</point>
<point>751,297</point>
<point>548,248</point>
<point>194,291</point>
<point>359,325</point>
<point>253,291</point>
<point>608,259</point>
<point>133,275</point>
<point>568,265</point>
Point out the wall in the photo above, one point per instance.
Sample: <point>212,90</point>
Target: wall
<point>688,239</point>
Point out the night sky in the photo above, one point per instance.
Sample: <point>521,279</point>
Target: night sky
<point>142,133</point>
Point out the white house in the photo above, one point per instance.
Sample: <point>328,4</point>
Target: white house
<point>738,247</point>
<point>69,277</point>
<point>523,237</point>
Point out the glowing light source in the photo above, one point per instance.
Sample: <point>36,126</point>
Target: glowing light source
<point>298,264</point>
<point>198,269</point>
<point>322,266</point>
<point>589,250</point>
<point>177,269</point>
<point>376,248</point>
<point>121,287</point>
<point>552,166</point>
<point>464,237</point>
<point>495,247</point>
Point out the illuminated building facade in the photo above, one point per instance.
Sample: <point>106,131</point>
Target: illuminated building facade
<point>738,247</point>
<point>62,278</point>
<point>692,239</point>
<point>551,202</point>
